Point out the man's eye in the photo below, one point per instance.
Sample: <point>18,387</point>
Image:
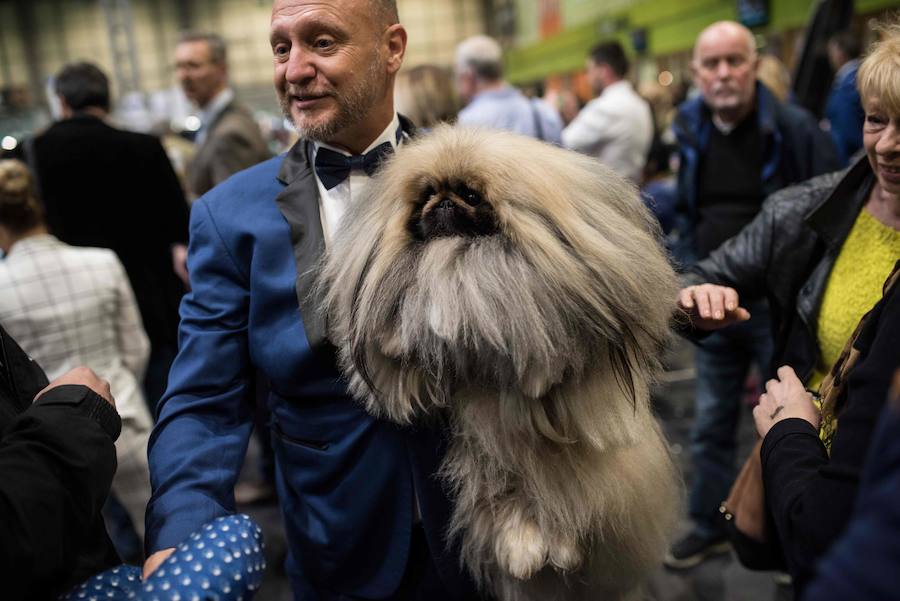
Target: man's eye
<point>874,119</point>
<point>281,50</point>
<point>323,43</point>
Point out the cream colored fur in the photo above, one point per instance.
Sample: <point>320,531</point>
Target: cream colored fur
<point>540,342</point>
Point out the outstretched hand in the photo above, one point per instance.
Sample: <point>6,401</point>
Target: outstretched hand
<point>712,307</point>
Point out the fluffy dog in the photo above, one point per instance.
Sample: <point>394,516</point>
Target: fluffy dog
<point>521,289</point>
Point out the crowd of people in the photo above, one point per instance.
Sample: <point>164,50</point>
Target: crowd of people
<point>136,360</point>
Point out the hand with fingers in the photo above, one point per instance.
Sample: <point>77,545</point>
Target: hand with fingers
<point>712,307</point>
<point>81,376</point>
<point>785,397</point>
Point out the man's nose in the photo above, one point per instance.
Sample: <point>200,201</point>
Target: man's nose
<point>723,69</point>
<point>300,66</point>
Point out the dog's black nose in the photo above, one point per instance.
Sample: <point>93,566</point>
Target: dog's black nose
<point>446,204</point>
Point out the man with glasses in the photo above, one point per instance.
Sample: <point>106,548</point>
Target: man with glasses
<point>737,145</point>
<point>229,139</point>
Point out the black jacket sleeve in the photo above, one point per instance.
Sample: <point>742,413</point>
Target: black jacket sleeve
<point>811,496</point>
<point>57,460</point>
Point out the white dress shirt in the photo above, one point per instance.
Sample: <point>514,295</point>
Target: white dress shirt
<point>335,202</point>
<point>616,128</point>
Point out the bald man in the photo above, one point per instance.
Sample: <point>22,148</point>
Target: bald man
<point>737,145</point>
<point>364,514</point>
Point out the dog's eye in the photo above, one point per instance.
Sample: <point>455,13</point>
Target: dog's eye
<point>427,193</point>
<point>471,197</point>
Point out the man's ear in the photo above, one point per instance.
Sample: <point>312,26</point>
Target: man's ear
<point>65,111</point>
<point>395,42</point>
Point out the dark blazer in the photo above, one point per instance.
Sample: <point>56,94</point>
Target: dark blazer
<point>347,482</point>
<point>794,150</point>
<point>115,189</point>
<point>233,142</point>
<point>57,460</point>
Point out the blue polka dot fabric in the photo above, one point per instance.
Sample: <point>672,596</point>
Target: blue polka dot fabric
<point>223,561</point>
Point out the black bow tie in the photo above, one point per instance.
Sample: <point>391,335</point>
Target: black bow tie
<point>333,167</point>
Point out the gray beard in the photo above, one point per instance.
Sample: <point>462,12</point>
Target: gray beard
<point>353,107</point>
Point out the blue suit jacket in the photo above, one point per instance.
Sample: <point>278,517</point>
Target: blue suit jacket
<point>346,481</point>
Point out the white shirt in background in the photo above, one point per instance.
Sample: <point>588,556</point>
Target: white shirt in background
<point>616,128</point>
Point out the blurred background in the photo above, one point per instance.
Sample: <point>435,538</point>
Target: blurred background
<point>545,43</point>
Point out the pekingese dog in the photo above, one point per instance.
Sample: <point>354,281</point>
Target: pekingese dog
<point>522,290</point>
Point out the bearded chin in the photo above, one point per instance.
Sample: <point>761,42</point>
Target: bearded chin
<point>353,106</point>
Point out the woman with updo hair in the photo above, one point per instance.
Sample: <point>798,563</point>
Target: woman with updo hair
<point>20,211</point>
<point>69,307</point>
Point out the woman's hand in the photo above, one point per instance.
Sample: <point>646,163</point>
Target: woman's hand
<point>784,397</point>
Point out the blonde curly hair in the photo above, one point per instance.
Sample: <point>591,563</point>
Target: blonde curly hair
<point>880,70</point>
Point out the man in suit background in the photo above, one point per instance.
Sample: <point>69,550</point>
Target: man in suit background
<point>364,513</point>
<point>110,188</point>
<point>228,139</point>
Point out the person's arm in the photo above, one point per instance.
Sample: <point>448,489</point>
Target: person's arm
<point>592,128</point>
<point>57,460</point>
<point>863,564</point>
<point>198,445</point>
<point>132,340</point>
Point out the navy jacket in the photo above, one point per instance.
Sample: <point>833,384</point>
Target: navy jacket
<point>794,149</point>
<point>346,481</point>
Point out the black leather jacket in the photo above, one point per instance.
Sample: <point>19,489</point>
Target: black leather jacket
<point>787,252</point>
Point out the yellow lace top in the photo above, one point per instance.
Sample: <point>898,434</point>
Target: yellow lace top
<point>853,288</point>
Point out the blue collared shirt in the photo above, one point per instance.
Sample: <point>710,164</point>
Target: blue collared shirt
<point>507,108</point>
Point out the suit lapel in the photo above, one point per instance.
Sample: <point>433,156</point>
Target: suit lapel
<point>299,203</point>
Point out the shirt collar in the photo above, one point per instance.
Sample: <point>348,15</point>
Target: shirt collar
<point>502,92</point>
<point>620,84</point>
<point>31,243</point>
<point>392,133</point>
<point>215,107</point>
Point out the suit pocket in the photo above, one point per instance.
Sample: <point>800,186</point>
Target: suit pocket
<point>316,445</point>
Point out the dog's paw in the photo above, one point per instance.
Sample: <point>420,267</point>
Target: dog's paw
<point>565,555</point>
<point>521,549</point>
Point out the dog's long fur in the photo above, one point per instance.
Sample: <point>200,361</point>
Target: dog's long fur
<point>540,341</point>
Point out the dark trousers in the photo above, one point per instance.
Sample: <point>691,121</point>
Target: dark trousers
<point>723,361</point>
